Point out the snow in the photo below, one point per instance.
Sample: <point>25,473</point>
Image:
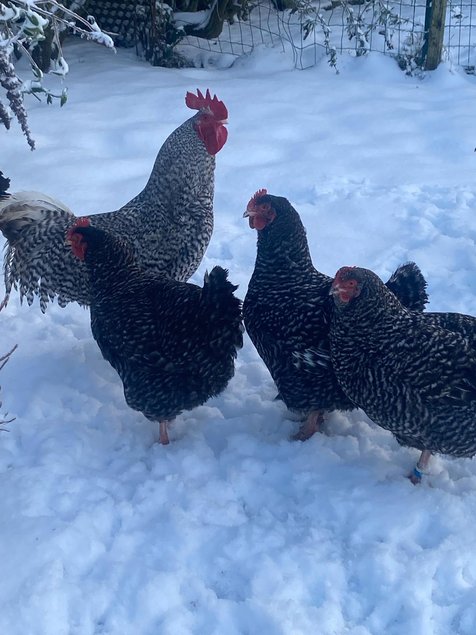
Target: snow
<point>233,528</point>
<point>185,18</point>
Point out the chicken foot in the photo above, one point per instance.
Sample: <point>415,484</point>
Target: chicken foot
<point>311,425</point>
<point>421,467</point>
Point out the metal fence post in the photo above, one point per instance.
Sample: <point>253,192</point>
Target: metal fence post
<point>434,31</point>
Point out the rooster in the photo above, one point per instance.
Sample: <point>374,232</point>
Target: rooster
<point>286,311</point>
<point>168,225</point>
<point>172,343</point>
<point>413,373</point>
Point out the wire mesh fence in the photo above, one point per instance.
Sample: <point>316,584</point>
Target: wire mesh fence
<point>310,30</point>
<point>319,29</point>
<point>460,34</point>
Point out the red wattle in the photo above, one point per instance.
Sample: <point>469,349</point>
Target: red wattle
<point>258,222</point>
<point>214,137</point>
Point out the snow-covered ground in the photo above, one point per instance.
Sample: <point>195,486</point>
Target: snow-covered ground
<point>232,528</point>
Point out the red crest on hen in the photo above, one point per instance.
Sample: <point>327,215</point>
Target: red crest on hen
<point>343,271</point>
<point>260,214</point>
<point>255,197</point>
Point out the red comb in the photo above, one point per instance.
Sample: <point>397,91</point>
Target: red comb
<point>343,271</point>
<point>255,197</point>
<point>83,221</point>
<point>199,101</point>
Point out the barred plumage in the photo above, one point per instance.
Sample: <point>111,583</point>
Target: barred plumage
<point>4,185</point>
<point>168,225</point>
<point>413,373</point>
<point>172,343</point>
<point>287,309</point>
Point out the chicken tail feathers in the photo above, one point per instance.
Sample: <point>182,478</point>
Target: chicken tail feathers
<point>218,290</point>
<point>217,280</point>
<point>409,285</point>
<point>223,306</point>
<point>4,185</point>
<point>37,260</point>
<point>22,209</point>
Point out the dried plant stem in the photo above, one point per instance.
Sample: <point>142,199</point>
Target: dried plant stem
<point>3,360</point>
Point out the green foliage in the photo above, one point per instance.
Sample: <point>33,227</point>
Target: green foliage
<point>311,18</point>
<point>361,19</point>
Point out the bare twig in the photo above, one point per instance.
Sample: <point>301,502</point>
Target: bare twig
<point>3,360</point>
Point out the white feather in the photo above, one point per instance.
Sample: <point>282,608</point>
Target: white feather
<point>28,205</point>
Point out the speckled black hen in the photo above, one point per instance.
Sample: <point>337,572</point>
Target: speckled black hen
<point>168,225</point>
<point>172,343</point>
<point>413,373</point>
<point>286,311</point>
<point>4,185</point>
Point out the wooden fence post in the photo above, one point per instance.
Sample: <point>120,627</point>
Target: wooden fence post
<point>434,31</point>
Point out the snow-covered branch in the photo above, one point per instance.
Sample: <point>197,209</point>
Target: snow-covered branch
<point>26,24</point>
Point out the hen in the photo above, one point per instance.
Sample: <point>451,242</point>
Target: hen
<point>286,311</point>
<point>413,373</point>
<point>168,225</point>
<point>172,343</point>
<point>4,185</point>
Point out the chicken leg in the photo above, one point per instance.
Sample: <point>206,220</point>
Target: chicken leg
<point>421,467</point>
<point>163,434</point>
<point>311,425</point>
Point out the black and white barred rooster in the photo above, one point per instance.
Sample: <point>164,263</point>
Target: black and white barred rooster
<point>168,225</point>
<point>412,373</point>
<point>287,310</point>
<point>172,343</point>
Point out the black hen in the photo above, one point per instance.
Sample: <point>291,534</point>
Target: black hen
<point>172,343</point>
<point>286,311</point>
<point>413,373</point>
<point>4,185</point>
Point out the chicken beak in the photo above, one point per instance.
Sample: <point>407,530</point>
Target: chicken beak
<point>335,289</point>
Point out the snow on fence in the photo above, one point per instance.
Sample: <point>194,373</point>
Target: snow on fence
<point>412,31</point>
<point>418,33</point>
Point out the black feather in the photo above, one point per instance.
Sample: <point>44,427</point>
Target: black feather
<point>4,185</point>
